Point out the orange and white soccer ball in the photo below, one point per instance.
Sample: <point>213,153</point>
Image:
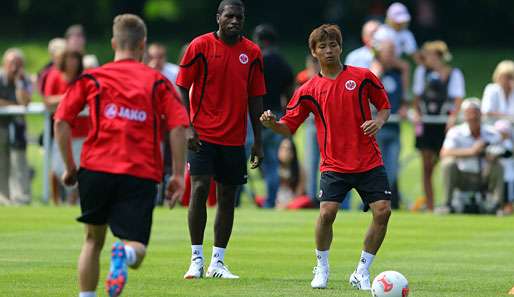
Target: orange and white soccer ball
<point>390,284</point>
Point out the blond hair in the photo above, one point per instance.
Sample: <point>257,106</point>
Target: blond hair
<point>504,67</point>
<point>18,53</point>
<point>128,30</point>
<point>439,47</point>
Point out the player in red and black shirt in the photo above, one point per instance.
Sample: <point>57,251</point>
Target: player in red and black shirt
<point>221,79</point>
<point>121,161</point>
<point>339,98</point>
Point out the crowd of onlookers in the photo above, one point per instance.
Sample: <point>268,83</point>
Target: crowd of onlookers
<point>472,137</point>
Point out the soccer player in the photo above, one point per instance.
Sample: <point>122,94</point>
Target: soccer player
<point>121,160</point>
<point>339,99</point>
<point>221,79</point>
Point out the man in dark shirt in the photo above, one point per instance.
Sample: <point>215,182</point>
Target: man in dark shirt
<point>279,79</point>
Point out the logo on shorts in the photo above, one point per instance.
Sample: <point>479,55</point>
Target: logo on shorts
<point>350,85</point>
<point>110,111</point>
<point>320,194</point>
<point>243,58</point>
<point>388,192</point>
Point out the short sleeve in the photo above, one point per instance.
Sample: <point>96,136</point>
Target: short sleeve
<point>489,99</point>
<point>450,141</point>
<point>256,83</point>
<point>73,101</point>
<point>376,92</point>
<point>51,86</point>
<point>456,86</point>
<point>409,42</point>
<point>171,107</point>
<point>190,65</point>
<point>418,85</point>
<point>296,112</point>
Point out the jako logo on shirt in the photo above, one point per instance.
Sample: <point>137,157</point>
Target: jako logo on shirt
<point>350,85</point>
<point>243,58</point>
<point>111,111</point>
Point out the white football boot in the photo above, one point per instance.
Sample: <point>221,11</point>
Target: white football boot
<point>195,269</point>
<point>360,281</point>
<point>219,270</point>
<point>320,279</point>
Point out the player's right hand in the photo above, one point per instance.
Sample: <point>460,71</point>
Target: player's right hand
<point>268,119</point>
<point>193,142</point>
<point>69,177</point>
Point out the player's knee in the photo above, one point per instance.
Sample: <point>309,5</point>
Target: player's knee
<point>200,192</point>
<point>94,241</point>
<point>382,213</point>
<point>327,217</point>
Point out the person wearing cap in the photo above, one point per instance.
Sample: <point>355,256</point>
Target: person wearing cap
<point>279,79</point>
<point>438,91</point>
<point>498,98</point>
<point>470,161</point>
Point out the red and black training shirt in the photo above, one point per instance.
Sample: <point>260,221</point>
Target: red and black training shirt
<point>127,101</point>
<point>222,77</point>
<point>340,106</point>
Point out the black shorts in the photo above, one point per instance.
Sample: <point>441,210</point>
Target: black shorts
<point>432,137</point>
<point>371,185</point>
<point>123,202</point>
<point>227,164</point>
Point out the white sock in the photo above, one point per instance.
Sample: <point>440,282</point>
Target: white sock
<point>87,294</point>
<point>365,262</point>
<point>322,257</point>
<point>197,251</point>
<point>131,255</point>
<point>218,254</point>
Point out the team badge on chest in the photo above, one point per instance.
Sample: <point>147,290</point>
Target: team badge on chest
<point>350,85</point>
<point>243,58</point>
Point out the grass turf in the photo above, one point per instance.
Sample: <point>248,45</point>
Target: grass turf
<point>458,256</point>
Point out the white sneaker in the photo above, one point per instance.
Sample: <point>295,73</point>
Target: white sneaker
<point>360,281</point>
<point>195,269</point>
<point>320,279</point>
<point>219,270</point>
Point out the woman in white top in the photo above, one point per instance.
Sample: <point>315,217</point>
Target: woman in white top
<point>438,91</point>
<point>498,98</point>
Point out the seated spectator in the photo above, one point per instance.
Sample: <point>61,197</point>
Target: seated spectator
<point>291,175</point>
<point>15,89</point>
<point>498,98</point>
<point>69,67</point>
<point>470,164</point>
<point>438,89</point>
<point>504,127</point>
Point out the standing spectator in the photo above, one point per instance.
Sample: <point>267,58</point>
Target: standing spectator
<point>311,69</point>
<point>90,61</point>
<point>56,47</point>
<point>157,59</point>
<point>279,79</point>
<point>221,81</point>
<point>498,98</point>
<point>438,89</point>
<point>68,69</point>
<point>363,56</point>
<point>76,38</point>
<point>388,137</point>
<point>468,162</point>
<point>121,160</point>
<point>15,89</point>
<point>504,127</point>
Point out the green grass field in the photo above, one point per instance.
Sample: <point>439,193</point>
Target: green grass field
<point>272,251</point>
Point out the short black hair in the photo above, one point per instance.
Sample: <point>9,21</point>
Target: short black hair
<point>265,32</point>
<point>224,3</point>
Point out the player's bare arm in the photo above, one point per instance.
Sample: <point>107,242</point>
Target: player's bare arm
<point>193,142</point>
<point>255,108</point>
<point>63,138</point>
<point>269,120</point>
<point>175,188</point>
<point>371,127</point>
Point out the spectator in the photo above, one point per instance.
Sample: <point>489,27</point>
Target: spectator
<point>157,59</point>
<point>470,162</point>
<point>363,56</point>
<point>68,69</point>
<point>279,80</point>
<point>15,89</point>
<point>76,38</point>
<point>504,127</point>
<point>56,47</point>
<point>438,89</point>
<point>498,99</point>
<point>388,137</point>
<point>90,62</point>
<point>291,175</point>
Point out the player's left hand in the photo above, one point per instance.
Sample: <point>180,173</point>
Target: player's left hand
<point>69,177</point>
<point>256,156</point>
<point>174,189</point>
<point>370,128</point>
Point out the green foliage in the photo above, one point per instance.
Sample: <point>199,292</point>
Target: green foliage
<point>167,10</point>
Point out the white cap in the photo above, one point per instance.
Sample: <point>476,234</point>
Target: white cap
<point>398,13</point>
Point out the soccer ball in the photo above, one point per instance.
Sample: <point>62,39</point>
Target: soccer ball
<point>390,284</point>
